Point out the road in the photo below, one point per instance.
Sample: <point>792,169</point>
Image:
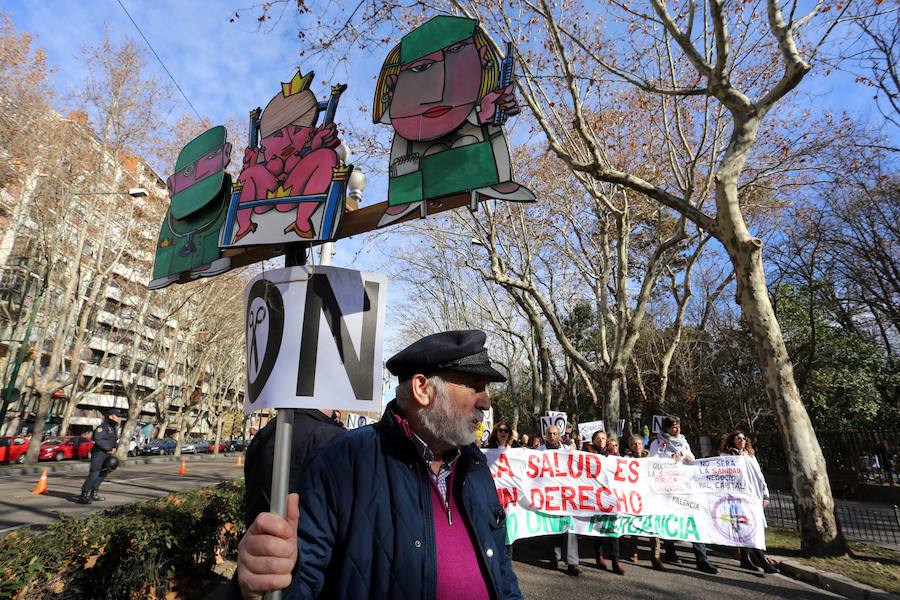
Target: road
<point>641,582</point>
<point>131,482</point>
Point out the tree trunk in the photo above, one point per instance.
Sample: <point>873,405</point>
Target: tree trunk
<point>218,436</point>
<point>40,422</point>
<point>614,397</point>
<point>809,478</point>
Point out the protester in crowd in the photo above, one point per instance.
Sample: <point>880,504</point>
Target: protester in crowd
<point>738,444</point>
<point>429,524</point>
<point>501,436</point>
<point>553,441</point>
<point>612,446</point>
<point>312,429</point>
<point>636,450</point>
<point>524,441</point>
<point>607,547</point>
<point>670,443</point>
<point>515,439</point>
<point>598,441</point>
<point>568,439</point>
<point>536,442</point>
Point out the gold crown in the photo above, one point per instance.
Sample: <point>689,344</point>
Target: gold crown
<point>280,193</point>
<point>299,83</point>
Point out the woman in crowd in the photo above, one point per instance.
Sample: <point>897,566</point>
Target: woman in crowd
<point>536,442</point>
<point>501,436</point>
<point>612,446</point>
<point>636,450</point>
<point>670,443</point>
<point>606,547</point>
<point>523,440</point>
<point>737,443</point>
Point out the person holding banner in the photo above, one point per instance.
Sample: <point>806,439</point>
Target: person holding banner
<point>406,509</point>
<point>607,547</point>
<point>737,443</point>
<point>670,443</point>
<point>501,436</point>
<point>598,441</point>
<point>553,442</point>
<point>636,450</point>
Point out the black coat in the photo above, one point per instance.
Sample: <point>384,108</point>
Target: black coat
<point>312,429</point>
<point>366,527</point>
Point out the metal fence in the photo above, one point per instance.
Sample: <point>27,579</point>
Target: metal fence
<point>874,523</point>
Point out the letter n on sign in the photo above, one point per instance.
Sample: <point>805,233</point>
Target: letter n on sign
<point>315,340</point>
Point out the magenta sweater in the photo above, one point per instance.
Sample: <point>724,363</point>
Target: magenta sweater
<point>459,576</point>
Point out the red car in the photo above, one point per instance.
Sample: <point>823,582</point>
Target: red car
<point>212,447</point>
<point>13,448</point>
<point>60,448</point>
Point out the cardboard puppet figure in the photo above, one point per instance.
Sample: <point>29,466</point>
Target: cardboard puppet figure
<point>188,245</point>
<point>446,92</point>
<point>292,185</point>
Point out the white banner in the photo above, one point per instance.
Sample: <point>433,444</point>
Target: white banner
<point>314,339</point>
<point>712,500</point>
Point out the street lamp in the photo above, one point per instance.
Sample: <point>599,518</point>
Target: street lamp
<point>36,307</point>
<point>355,186</point>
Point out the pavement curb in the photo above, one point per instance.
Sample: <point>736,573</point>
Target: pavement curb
<point>85,465</point>
<point>833,582</point>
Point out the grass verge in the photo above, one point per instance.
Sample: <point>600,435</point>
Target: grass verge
<point>867,563</point>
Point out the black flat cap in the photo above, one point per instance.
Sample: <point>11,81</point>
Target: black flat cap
<point>113,412</point>
<point>449,350</point>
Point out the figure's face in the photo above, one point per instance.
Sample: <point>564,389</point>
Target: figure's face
<point>210,163</point>
<point>281,143</point>
<point>599,440</point>
<point>674,429</point>
<point>433,95</point>
<point>453,418</point>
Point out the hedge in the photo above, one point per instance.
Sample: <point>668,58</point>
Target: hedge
<point>162,548</point>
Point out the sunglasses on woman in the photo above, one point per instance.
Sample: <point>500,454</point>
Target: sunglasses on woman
<point>503,430</point>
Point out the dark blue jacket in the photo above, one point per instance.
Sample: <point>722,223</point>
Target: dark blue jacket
<point>366,528</point>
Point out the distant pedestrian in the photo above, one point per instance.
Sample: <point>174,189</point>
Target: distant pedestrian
<point>670,443</point>
<point>887,460</point>
<point>737,443</point>
<point>106,438</point>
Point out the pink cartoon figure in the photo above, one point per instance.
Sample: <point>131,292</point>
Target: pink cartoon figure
<point>294,157</point>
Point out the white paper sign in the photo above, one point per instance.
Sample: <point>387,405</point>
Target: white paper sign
<point>657,423</point>
<point>355,421</point>
<point>560,419</point>
<point>587,430</point>
<point>620,427</point>
<point>314,339</point>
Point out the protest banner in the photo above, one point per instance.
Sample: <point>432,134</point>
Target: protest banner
<point>314,339</point>
<point>355,421</point>
<point>587,430</point>
<point>712,500</point>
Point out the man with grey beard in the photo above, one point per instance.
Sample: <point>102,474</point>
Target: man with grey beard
<point>403,509</point>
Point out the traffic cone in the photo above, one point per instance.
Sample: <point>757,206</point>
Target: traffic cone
<point>182,470</point>
<point>41,487</point>
<point>240,461</point>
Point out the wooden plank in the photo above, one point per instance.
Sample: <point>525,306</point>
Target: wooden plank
<point>353,223</point>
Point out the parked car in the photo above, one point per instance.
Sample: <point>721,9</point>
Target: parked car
<point>236,445</point>
<point>192,446</point>
<point>133,447</point>
<point>202,446</point>
<point>212,446</point>
<point>66,447</point>
<point>164,446</point>
<point>13,448</point>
